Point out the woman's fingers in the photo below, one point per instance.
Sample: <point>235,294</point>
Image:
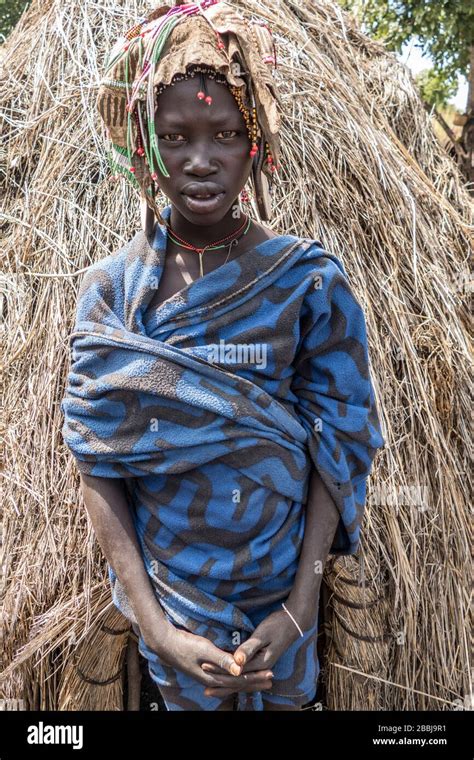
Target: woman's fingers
<point>238,683</point>
<point>259,662</point>
<point>223,660</point>
<point>222,679</point>
<point>249,648</point>
<point>215,691</point>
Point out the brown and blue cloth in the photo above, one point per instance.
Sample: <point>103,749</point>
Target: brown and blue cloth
<point>214,407</point>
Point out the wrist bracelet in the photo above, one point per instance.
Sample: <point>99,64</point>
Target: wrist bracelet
<point>294,621</point>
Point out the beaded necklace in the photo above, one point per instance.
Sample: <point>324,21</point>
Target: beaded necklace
<point>234,237</point>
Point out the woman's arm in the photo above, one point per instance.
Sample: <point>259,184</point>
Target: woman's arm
<point>322,519</point>
<point>108,508</point>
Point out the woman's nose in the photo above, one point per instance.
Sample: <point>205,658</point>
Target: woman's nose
<point>200,159</point>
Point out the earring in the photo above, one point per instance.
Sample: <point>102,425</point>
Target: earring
<point>245,200</point>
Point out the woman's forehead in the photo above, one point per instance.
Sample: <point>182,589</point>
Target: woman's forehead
<point>180,104</point>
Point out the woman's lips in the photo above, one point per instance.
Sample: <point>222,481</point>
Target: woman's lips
<point>203,205</point>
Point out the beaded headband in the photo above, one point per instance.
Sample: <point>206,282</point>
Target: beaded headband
<point>206,37</point>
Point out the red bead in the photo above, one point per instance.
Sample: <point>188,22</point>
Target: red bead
<point>221,46</point>
<point>208,100</point>
<point>126,47</point>
<point>132,169</point>
<point>140,151</point>
<point>154,175</point>
<point>201,95</point>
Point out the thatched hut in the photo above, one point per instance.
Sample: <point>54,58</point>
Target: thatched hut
<point>363,172</point>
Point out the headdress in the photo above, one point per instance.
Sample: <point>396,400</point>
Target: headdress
<point>176,42</point>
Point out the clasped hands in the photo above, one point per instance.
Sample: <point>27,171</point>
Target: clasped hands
<point>248,669</point>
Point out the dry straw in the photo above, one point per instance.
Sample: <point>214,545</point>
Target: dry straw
<point>363,173</point>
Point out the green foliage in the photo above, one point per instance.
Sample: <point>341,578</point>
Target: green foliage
<point>435,89</point>
<point>445,30</point>
<point>10,12</point>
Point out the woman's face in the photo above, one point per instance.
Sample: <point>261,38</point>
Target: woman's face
<point>205,149</point>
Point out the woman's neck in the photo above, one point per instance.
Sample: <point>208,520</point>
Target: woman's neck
<point>202,235</point>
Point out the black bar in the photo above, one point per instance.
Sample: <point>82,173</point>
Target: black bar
<point>311,732</point>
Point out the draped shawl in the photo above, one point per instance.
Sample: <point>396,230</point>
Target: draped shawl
<point>214,407</point>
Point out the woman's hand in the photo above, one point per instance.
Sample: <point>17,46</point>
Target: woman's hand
<point>187,652</point>
<point>260,652</point>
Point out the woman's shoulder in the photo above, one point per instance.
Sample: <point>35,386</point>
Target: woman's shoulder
<point>115,260</point>
<point>108,272</point>
<point>313,259</point>
<point>316,254</point>
<point>314,246</point>
<point>265,233</point>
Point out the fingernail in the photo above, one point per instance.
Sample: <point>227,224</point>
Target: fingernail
<point>235,669</point>
<point>269,674</point>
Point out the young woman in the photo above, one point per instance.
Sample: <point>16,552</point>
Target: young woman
<point>219,402</point>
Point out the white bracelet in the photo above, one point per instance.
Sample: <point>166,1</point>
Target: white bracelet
<point>294,621</point>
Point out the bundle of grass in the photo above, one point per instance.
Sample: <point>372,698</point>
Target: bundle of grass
<point>93,677</point>
<point>361,171</point>
<point>91,654</point>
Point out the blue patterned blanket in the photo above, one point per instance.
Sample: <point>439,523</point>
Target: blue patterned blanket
<point>214,406</point>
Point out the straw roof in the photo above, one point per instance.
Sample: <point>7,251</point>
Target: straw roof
<point>363,173</point>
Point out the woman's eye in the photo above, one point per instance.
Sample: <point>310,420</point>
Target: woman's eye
<point>173,137</point>
<point>163,137</point>
<point>227,131</point>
